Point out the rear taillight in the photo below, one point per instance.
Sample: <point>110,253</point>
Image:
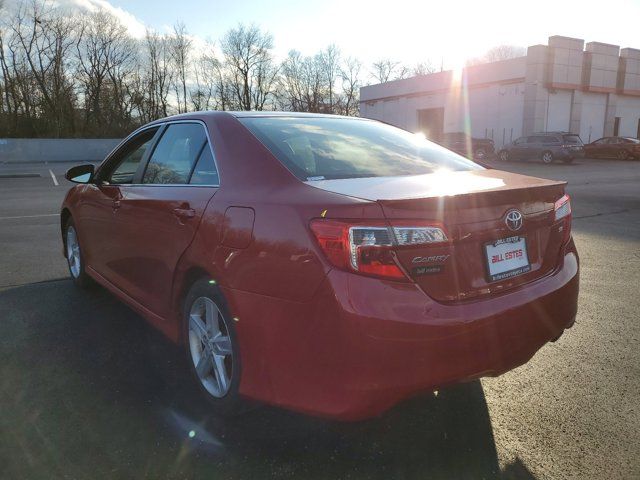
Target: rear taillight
<point>562,211</point>
<point>369,249</point>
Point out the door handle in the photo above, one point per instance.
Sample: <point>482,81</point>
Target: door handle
<point>184,213</point>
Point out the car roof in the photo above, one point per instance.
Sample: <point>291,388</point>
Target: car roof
<point>211,114</point>
<point>554,133</point>
<point>263,113</point>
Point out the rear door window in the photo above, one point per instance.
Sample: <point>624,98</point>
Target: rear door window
<point>175,155</point>
<point>205,171</point>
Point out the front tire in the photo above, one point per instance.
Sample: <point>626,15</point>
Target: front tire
<point>547,157</point>
<point>503,155</point>
<point>75,257</point>
<point>212,348</point>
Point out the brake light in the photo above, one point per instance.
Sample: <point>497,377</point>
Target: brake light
<point>369,249</point>
<point>562,211</point>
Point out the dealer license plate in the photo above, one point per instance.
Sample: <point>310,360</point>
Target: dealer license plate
<point>507,258</point>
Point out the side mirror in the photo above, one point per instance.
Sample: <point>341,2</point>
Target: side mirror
<point>80,173</point>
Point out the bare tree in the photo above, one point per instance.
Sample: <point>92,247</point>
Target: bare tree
<point>386,69</point>
<point>45,40</point>
<point>104,53</point>
<point>330,61</point>
<point>423,68</point>
<point>212,90</point>
<point>250,66</point>
<point>350,76</point>
<point>303,84</point>
<point>180,47</point>
<point>497,53</point>
<point>157,77</point>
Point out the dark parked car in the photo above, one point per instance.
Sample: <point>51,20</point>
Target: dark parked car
<point>330,265</point>
<point>470,147</point>
<point>546,146</point>
<point>623,148</point>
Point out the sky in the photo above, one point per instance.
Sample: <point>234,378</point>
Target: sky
<point>409,31</point>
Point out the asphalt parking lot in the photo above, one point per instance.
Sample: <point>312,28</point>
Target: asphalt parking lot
<point>87,390</point>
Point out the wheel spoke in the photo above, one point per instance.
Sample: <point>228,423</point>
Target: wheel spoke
<point>213,323</point>
<point>197,326</point>
<point>204,365</point>
<point>221,345</point>
<point>221,374</point>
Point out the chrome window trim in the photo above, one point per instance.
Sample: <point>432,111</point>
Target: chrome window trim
<point>161,124</point>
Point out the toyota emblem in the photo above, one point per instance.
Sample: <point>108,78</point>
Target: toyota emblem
<point>513,219</point>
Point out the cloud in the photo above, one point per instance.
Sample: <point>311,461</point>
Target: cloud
<point>134,26</point>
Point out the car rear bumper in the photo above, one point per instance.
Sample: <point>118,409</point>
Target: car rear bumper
<point>362,345</point>
<point>568,153</point>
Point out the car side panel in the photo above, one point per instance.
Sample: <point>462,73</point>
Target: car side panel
<point>159,223</point>
<point>98,227</point>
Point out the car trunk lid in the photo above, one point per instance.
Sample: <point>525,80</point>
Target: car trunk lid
<point>472,207</point>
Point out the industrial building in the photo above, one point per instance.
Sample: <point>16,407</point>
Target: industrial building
<point>592,90</point>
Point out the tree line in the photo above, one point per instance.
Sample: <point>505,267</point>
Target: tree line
<point>81,74</point>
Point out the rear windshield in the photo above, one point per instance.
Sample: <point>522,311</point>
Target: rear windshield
<point>573,139</point>
<point>319,148</point>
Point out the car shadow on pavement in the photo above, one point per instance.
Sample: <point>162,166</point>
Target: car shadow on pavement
<point>88,390</point>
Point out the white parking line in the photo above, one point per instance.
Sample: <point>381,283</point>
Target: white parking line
<point>55,180</point>
<point>31,216</point>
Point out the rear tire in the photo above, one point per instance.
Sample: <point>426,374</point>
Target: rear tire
<point>547,157</point>
<point>74,255</point>
<point>503,155</point>
<point>623,155</point>
<point>480,154</point>
<point>212,348</point>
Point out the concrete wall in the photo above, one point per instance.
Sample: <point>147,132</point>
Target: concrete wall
<point>594,106</point>
<point>629,113</point>
<point>491,104</point>
<point>491,111</point>
<point>14,150</point>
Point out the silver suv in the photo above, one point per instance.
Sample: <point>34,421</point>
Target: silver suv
<point>546,146</point>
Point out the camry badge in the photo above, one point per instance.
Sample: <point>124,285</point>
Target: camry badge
<point>513,220</point>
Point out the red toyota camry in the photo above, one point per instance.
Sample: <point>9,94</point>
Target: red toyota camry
<point>329,265</point>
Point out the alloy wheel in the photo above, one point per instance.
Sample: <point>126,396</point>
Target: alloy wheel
<point>73,252</point>
<point>480,154</point>
<point>547,157</point>
<point>210,346</point>
<point>622,155</point>
<point>504,155</point>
